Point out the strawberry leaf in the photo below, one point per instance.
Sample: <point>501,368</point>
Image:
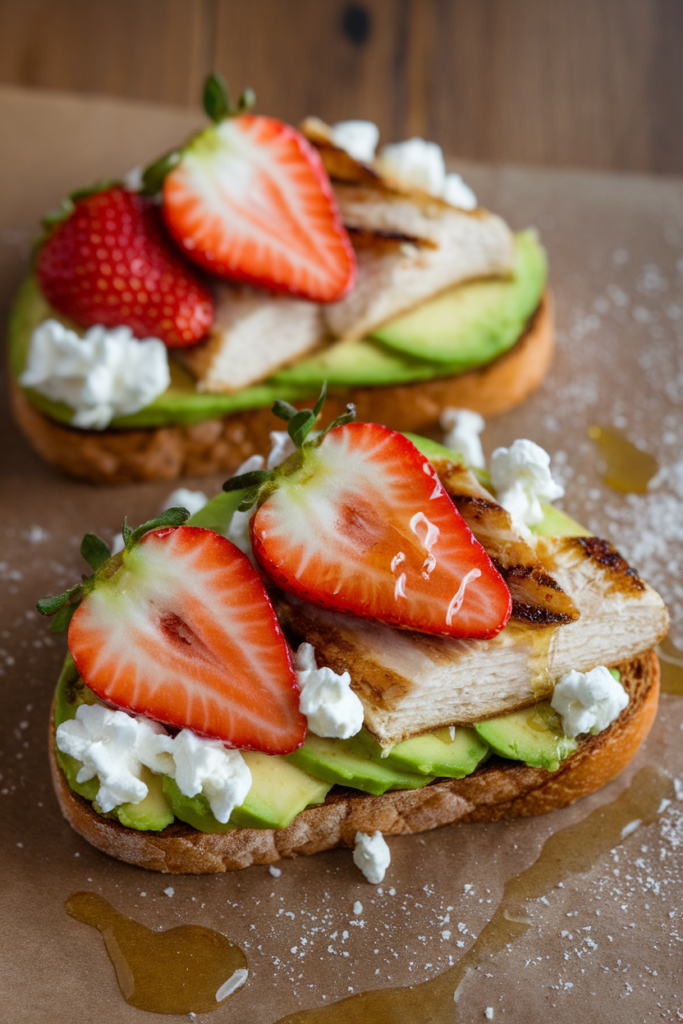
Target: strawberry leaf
<point>317,408</point>
<point>283,410</point>
<point>61,621</point>
<point>300,426</point>
<point>256,478</point>
<point>95,551</point>
<point>51,605</point>
<point>153,176</point>
<point>346,417</point>
<point>217,101</point>
<point>175,516</point>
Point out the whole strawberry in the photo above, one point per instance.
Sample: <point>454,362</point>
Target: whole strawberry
<point>111,262</point>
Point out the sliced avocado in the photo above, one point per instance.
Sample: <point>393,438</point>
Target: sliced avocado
<point>338,762</point>
<point>153,813</point>
<point>534,735</point>
<point>218,512</point>
<point>357,364</point>
<point>476,322</point>
<point>558,524</point>
<point>279,791</point>
<point>435,753</point>
<point>430,449</point>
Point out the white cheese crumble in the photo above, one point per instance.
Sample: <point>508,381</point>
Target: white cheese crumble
<point>327,700</point>
<point>105,374</point>
<point>521,478</point>
<point>358,138</point>
<point>114,746</point>
<point>421,163</point>
<point>106,742</point>
<point>588,701</point>
<point>183,497</point>
<point>463,427</point>
<point>371,854</point>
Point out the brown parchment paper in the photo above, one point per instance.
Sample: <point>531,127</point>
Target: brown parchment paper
<point>605,946</point>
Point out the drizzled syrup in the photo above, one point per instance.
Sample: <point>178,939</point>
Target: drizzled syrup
<point>189,969</point>
<point>572,850</point>
<point>626,467</point>
<point>671,666</point>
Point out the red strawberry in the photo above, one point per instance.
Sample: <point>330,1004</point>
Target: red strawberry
<point>184,633</point>
<point>250,201</point>
<point>359,523</point>
<point>111,262</point>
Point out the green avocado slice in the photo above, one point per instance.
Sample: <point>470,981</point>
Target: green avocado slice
<point>533,735</point>
<point>337,761</point>
<point>472,324</point>
<point>279,791</point>
<point>436,753</point>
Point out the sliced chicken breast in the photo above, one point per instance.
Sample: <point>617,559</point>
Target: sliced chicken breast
<point>254,334</point>
<point>411,683</point>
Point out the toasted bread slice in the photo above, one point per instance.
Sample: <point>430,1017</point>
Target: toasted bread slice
<point>164,453</point>
<point>411,683</point>
<point>499,789</point>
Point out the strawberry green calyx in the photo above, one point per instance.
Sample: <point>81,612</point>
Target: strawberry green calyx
<point>68,204</point>
<point>300,422</point>
<point>96,553</point>
<point>218,105</point>
<point>218,102</point>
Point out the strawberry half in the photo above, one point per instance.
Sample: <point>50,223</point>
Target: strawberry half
<point>249,200</point>
<point>358,522</point>
<point>111,262</point>
<point>179,628</point>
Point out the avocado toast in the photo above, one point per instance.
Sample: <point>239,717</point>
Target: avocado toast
<point>444,737</point>
<point>463,315</point>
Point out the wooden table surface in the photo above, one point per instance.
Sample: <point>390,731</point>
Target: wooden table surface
<point>592,83</point>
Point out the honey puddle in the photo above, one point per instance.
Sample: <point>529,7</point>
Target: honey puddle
<point>671,665</point>
<point>572,850</point>
<point>627,468</point>
<point>183,970</point>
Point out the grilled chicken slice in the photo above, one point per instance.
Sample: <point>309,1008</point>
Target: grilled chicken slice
<point>254,333</point>
<point>442,245</point>
<point>536,596</point>
<point>411,683</point>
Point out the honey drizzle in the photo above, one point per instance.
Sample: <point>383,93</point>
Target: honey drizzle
<point>627,468</point>
<point>572,850</point>
<point>671,666</point>
<point>182,970</point>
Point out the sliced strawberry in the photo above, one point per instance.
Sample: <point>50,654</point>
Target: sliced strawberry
<point>250,201</point>
<point>111,262</point>
<point>361,524</point>
<point>184,633</point>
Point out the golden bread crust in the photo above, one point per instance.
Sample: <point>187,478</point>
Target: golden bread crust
<point>165,453</point>
<point>497,790</point>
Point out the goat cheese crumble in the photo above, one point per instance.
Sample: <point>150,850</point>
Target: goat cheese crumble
<point>114,746</point>
<point>463,427</point>
<point>521,478</point>
<point>105,374</point>
<point>422,163</point>
<point>372,855</point>
<point>588,701</point>
<point>358,138</point>
<point>327,700</point>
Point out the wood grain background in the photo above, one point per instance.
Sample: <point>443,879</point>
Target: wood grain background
<point>592,83</point>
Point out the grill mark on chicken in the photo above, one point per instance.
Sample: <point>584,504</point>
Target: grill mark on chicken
<point>384,241</point>
<point>602,552</point>
<point>537,598</point>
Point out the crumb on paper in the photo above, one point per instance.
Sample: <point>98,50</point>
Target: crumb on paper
<point>358,907</point>
<point>170,891</point>
<point>275,872</point>
<point>488,1013</point>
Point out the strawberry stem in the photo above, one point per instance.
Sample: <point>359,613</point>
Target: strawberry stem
<point>218,102</point>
